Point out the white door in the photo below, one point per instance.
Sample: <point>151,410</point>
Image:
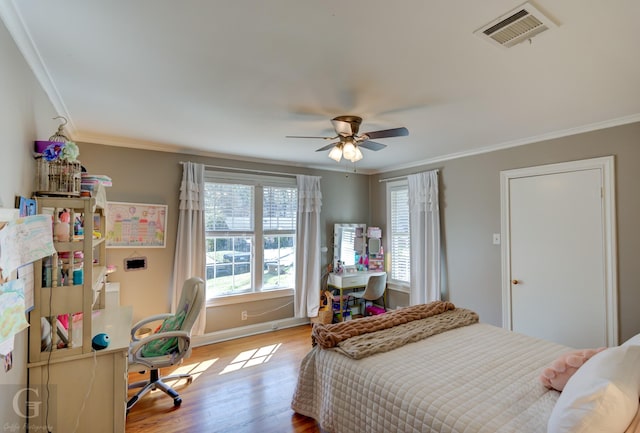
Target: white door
<point>559,279</point>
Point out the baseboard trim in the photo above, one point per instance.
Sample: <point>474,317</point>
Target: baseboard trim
<point>245,331</point>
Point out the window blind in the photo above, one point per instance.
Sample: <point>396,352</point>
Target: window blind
<point>400,234</point>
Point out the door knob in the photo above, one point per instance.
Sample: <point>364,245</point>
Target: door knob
<point>514,281</point>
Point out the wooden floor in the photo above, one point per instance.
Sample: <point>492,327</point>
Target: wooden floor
<point>244,385</point>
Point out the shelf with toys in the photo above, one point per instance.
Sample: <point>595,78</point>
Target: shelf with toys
<point>69,285</point>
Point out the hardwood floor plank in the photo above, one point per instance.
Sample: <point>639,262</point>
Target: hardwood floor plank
<point>243,385</point>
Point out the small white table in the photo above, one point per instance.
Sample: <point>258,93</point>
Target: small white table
<point>350,280</point>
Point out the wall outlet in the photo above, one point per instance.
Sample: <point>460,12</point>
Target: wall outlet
<point>243,315</point>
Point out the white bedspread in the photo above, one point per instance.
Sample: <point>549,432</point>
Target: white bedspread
<point>474,379</point>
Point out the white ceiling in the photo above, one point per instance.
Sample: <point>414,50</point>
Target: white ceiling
<point>234,78</point>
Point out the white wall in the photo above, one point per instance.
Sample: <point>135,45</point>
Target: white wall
<point>25,115</point>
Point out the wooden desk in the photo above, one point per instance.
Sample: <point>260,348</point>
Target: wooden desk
<point>350,280</point>
<point>69,379</point>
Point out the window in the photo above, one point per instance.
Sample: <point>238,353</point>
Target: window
<point>399,234</point>
<point>250,225</point>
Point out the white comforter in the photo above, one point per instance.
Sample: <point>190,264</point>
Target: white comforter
<point>475,379</point>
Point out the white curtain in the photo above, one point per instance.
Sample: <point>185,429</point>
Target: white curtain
<point>190,243</point>
<point>424,223</point>
<point>308,263</point>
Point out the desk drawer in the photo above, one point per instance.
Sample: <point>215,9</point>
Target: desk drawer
<point>354,280</point>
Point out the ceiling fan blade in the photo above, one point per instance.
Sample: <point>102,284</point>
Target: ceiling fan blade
<point>386,133</point>
<point>305,136</point>
<point>327,147</point>
<point>372,145</point>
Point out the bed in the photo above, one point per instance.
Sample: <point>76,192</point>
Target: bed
<point>472,378</point>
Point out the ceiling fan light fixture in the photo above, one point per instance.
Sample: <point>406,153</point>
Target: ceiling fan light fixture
<point>357,155</point>
<point>336,153</point>
<point>346,128</point>
<point>349,150</point>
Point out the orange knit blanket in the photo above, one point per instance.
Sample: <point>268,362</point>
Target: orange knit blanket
<point>330,335</point>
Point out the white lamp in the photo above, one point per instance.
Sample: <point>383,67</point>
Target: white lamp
<point>357,156</point>
<point>348,150</point>
<point>336,153</point>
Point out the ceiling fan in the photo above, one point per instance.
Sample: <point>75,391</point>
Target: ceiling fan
<point>350,141</point>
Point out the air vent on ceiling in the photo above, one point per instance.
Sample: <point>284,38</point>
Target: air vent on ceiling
<point>520,24</point>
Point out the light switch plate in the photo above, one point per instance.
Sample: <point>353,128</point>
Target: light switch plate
<point>496,239</point>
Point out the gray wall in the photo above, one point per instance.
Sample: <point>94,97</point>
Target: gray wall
<point>144,176</point>
<point>470,211</point>
<point>25,115</point>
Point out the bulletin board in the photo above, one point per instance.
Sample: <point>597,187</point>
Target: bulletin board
<point>136,225</point>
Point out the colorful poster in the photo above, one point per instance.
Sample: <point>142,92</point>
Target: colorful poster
<point>135,225</point>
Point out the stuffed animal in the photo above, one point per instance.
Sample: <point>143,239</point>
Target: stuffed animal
<point>558,373</point>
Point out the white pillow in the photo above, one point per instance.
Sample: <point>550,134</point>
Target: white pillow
<point>602,396</point>
<point>635,341</point>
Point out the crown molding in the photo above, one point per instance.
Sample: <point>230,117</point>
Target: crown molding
<point>619,121</point>
<point>15,25</point>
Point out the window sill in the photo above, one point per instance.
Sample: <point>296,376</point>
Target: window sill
<point>249,297</point>
<point>404,288</point>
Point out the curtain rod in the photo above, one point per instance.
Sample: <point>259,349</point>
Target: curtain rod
<point>247,170</point>
<point>389,179</point>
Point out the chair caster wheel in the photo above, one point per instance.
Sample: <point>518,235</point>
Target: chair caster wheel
<point>177,401</point>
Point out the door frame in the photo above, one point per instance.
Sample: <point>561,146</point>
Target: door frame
<point>606,167</point>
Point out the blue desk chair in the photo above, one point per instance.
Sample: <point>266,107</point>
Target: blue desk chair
<point>168,346</point>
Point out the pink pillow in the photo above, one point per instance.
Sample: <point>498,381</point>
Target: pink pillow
<point>558,373</point>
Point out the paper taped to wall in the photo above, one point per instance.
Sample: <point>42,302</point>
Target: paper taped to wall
<point>12,318</point>
<point>25,240</point>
